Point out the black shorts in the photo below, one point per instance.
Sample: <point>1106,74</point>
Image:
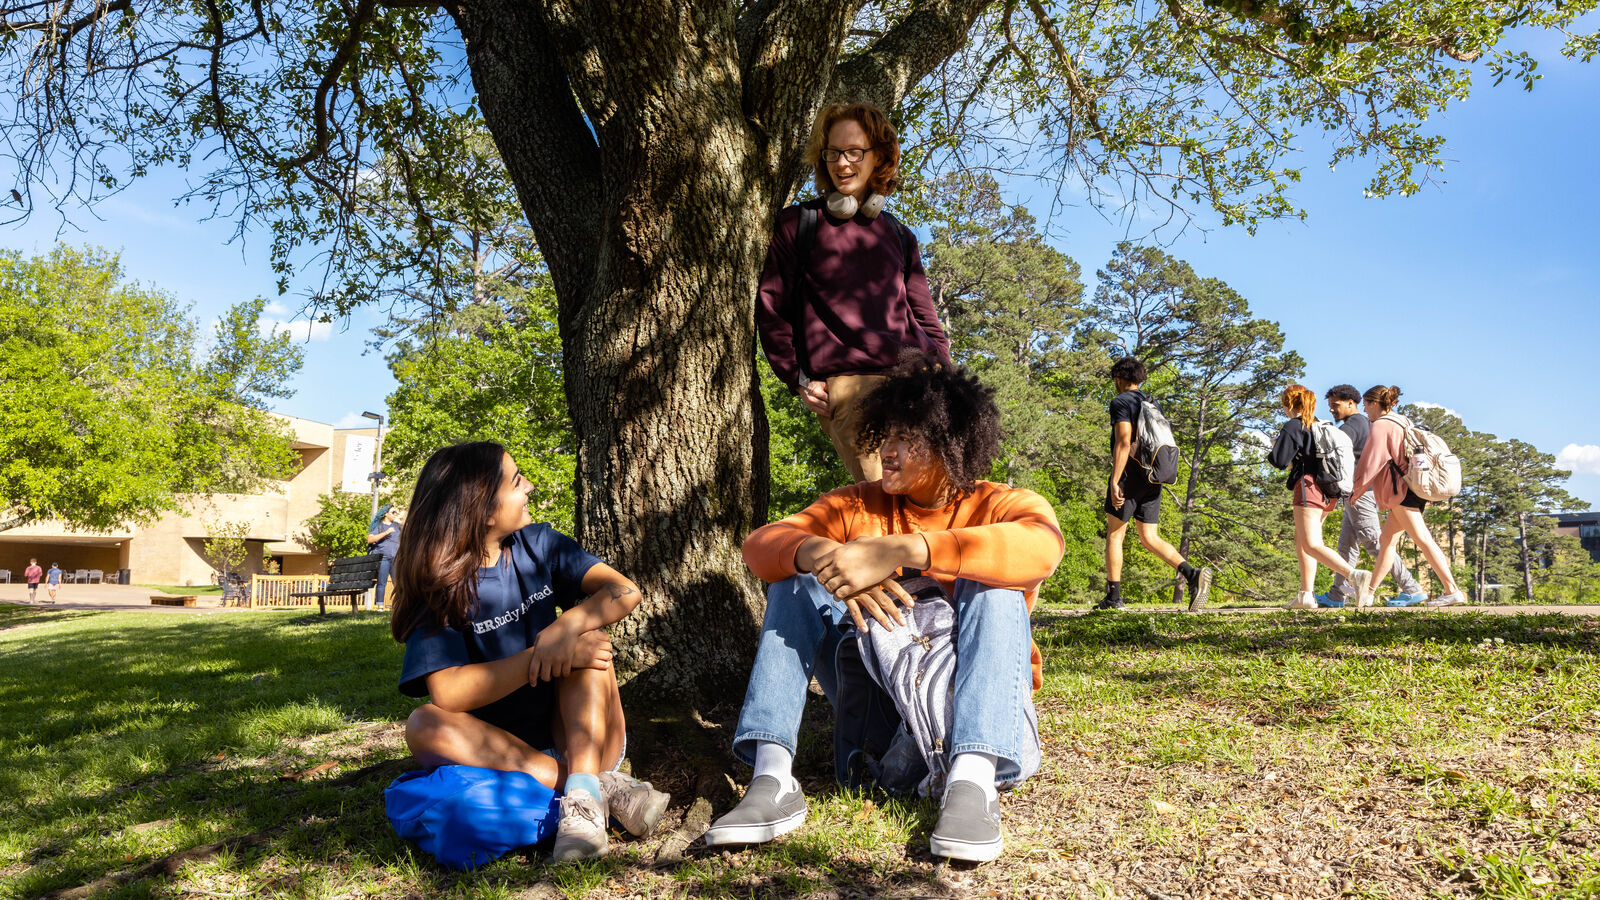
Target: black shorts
<point>1412,501</point>
<point>527,713</point>
<point>1140,499</point>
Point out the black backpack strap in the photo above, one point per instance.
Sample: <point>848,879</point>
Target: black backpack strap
<point>904,234</point>
<point>805,238</point>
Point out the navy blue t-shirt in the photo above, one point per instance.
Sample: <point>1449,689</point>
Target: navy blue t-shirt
<point>540,572</point>
<point>389,544</point>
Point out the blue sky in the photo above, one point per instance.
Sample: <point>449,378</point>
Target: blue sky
<point>1480,294</point>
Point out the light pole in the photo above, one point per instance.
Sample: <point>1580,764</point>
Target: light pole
<point>377,466</point>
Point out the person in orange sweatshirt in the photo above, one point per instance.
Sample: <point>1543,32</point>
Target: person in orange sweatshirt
<point>831,568</point>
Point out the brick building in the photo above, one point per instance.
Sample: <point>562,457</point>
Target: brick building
<point>169,550</point>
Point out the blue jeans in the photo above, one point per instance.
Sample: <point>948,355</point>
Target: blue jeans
<point>384,565</point>
<point>802,629</point>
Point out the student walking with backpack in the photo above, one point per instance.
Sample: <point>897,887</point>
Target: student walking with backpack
<point>1386,469</point>
<point>1359,528</point>
<point>843,293</point>
<point>1320,463</point>
<point>1134,490</point>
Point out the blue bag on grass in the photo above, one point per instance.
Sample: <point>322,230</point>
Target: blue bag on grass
<point>465,816</point>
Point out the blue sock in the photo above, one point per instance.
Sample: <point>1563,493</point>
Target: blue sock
<point>584,781</point>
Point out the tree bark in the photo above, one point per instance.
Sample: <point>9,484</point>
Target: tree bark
<point>1527,565</point>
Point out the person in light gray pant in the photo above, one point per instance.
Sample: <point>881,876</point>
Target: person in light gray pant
<point>1360,528</point>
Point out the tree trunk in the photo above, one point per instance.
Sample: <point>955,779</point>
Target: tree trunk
<point>1527,565</point>
<point>1180,588</point>
<point>1483,553</point>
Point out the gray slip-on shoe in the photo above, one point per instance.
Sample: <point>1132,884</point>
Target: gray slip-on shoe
<point>969,825</point>
<point>763,814</point>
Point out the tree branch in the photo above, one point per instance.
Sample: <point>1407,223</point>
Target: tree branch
<point>908,52</point>
<point>552,155</point>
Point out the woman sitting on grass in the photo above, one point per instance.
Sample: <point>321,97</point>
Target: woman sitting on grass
<point>1294,448</point>
<point>503,625</point>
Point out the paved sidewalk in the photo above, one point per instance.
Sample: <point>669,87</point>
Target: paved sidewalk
<point>106,597</point>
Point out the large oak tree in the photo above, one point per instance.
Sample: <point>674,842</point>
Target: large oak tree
<point>650,144</point>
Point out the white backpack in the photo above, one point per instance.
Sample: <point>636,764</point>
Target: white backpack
<point>1335,460</point>
<point>1153,446</point>
<point>1432,471</point>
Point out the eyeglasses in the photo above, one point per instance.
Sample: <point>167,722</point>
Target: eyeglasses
<point>849,154</point>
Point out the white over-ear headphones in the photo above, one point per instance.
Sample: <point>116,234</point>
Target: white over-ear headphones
<point>845,206</point>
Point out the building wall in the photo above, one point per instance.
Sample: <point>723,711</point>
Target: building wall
<point>169,550</point>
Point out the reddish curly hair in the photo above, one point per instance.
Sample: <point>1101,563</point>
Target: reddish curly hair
<point>1300,402</point>
<point>885,144</point>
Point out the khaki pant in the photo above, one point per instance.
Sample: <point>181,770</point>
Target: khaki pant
<point>845,393</point>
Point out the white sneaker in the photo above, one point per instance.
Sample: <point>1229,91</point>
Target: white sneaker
<point>1454,598</point>
<point>581,831</point>
<point>1303,600</point>
<point>636,805</point>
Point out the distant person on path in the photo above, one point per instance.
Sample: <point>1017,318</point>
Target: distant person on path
<point>1360,528</point>
<point>32,573</point>
<point>1131,497</point>
<point>1382,471</point>
<point>835,311</point>
<point>52,580</point>
<point>383,537</point>
<point>831,569</point>
<point>504,626</point>
<point>1295,450</point>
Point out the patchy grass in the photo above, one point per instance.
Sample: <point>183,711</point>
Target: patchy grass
<point>1432,754</point>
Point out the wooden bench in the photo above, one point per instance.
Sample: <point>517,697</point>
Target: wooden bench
<point>164,600</point>
<point>349,577</point>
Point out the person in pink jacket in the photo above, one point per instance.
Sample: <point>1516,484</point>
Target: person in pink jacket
<point>1382,470</point>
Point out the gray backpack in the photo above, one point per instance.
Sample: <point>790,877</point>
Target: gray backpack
<point>1335,461</point>
<point>1154,447</point>
<point>916,665</point>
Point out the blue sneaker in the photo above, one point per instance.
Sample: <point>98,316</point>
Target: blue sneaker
<point>1327,601</point>
<point>1407,599</point>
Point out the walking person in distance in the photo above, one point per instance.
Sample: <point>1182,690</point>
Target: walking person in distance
<point>1359,529</point>
<point>1295,449</point>
<point>1131,496</point>
<point>1382,470</point>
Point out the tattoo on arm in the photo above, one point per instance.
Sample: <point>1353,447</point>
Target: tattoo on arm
<point>618,591</point>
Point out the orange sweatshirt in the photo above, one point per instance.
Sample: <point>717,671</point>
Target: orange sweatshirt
<point>996,535</point>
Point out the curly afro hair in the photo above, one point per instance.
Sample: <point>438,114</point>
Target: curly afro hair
<point>943,406</point>
<point>1129,369</point>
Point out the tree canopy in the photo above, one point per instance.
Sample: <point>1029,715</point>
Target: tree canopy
<point>112,409</point>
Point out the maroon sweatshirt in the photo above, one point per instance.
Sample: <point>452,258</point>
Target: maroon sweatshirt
<point>865,304</point>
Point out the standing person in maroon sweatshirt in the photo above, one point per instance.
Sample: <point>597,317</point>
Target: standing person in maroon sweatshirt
<point>836,310</point>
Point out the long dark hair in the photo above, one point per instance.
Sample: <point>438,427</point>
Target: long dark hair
<point>441,547</point>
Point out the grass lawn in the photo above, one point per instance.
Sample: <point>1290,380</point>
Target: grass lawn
<point>1420,754</point>
<point>184,589</point>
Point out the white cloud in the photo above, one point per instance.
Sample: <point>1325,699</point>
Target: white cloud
<point>1581,459</point>
<point>354,419</point>
<point>277,309</point>
<point>299,330</point>
<point>1423,404</point>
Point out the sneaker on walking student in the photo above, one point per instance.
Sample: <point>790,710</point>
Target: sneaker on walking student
<point>1381,470</point>
<point>1131,497</point>
<point>504,621</point>
<point>1296,450</point>
<point>1359,528</point>
<point>831,570</point>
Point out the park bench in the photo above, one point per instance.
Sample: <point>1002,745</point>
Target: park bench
<point>349,577</point>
